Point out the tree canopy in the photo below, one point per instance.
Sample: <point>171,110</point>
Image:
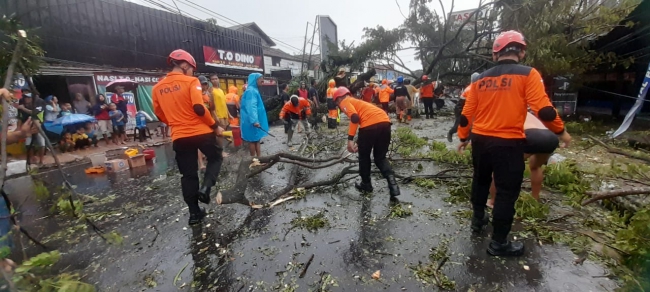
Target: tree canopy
<point>559,35</point>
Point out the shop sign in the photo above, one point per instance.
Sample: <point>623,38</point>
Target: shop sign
<point>234,60</point>
<point>104,79</point>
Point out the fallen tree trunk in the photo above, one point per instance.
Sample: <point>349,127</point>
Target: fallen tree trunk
<point>597,196</point>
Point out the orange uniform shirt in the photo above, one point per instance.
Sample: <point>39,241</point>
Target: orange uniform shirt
<point>362,114</point>
<point>497,103</point>
<point>427,90</point>
<point>174,98</point>
<point>384,93</point>
<point>289,108</point>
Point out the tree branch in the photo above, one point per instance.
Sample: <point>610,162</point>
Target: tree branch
<point>611,149</point>
<point>597,196</point>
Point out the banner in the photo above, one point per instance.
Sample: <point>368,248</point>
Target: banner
<point>130,109</point>
<point>228,59</point>
<point>637,105</point>
<point>104,79</point>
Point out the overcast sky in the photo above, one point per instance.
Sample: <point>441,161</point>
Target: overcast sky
<point>285,20</point>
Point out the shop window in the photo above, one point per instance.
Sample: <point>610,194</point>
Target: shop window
<point>275,61</point>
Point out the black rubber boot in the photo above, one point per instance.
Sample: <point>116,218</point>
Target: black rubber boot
<point>507,249</point>
<point>204,194</point>
<point>393,188</point>
<point>478,224</point>
<point>364,187</point>
<point>450,137</point>
<point>197,218</point>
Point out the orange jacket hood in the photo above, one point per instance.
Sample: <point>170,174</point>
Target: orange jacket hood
<point>232,89</point>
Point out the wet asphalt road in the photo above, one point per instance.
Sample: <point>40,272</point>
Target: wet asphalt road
<point>237,249</point>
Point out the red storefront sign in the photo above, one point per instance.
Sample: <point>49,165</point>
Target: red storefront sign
<point>233,60</point>
<point>269,82</point>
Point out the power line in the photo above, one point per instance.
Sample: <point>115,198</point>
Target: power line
<point>233,21</point>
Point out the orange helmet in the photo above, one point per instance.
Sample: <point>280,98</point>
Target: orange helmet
<point>331,83</point>
<point>340,92</point>
<point>384,81</point>
<point>506,38</point>
<point>181,55</point>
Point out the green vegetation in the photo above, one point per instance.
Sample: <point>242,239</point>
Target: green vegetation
<point>311,223</point>
<point>426,183</point>
<point>527,207</point>
<point>432,272</point>
<point>35,275</point>
<point>460,191</point>
<point>438,152</point>
<point>398,210</point>
<point>407,143</point>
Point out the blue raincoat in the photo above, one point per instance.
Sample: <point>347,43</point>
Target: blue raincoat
<point>252,111</point>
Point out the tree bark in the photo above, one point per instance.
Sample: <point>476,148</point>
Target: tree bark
<point>597,196</point>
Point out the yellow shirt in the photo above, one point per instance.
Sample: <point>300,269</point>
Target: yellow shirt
<point>76,137</point>
<point>220,103</point>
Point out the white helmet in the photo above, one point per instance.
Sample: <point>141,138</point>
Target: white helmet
<point>474,77</point>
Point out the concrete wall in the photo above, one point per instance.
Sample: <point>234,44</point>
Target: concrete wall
<point>295,66</point>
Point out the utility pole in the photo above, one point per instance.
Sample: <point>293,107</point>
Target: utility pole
<point>313,34</point>
<point>304,47</point>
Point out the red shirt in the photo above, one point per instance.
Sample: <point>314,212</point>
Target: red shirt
<point>367,94</point>
<point>304,93</point>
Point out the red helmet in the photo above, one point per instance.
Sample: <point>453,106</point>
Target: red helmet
<point>340,92</point>
<point>508,37</point>
<point>181,55</point>
<point>425,77</point>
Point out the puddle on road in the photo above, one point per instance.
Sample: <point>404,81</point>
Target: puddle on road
<point>237,249</point>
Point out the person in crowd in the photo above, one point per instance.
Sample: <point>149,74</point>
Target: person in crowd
<point>66,144</point>
<point>374,137</point>
<point>219,101</point>
<point>313,95</point>
<point>284,97</point>
<point>52,108</point>
<point>413,92</point>
<point>402,101</point>
<point>178,102</point>
<point>368,92</point>
<point>254,122</point>
<point>209,103</point>
<point>540,145</point>
<point>118,119</point>
<point>104,125</point>
<point>426,96</point>
<point>66,109</point>
<point>91,132</point>
<point>495,109</point>
<point>458,109</point>
<point>120,101</point>
<point>27,127</point>
<point>141,130</point>
<point>303,91</point>
<point>332,111</point>
<point>81,105</point>
<point>33,107</point>
<point>291,114</point>
<point>80,139</point>
<point>384,94</point>
<point>232,103</point>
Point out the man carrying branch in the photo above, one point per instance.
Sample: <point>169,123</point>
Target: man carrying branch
<point>374,136</point>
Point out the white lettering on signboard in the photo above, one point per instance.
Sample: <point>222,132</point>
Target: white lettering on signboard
<point>221,53</point>
<point>229,56</point>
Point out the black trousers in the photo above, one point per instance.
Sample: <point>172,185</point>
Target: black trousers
<point>428,106</point>
<point>454,128</point>
<point>384,106</point>
<point>142,133</point>
<point>187,160</point>
<point>374,139</point>
<point>504,158</point>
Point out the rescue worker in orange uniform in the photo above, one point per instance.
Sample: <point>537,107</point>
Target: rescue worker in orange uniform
<point>291,114</point>
<point>374,137</point>
<point>495,109</point>
<point>178,102</point>
<point>332,112</point>
<point>384,94</point>
<point>402,101</point>
<point>232,103</point>
<point>426,96</point>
